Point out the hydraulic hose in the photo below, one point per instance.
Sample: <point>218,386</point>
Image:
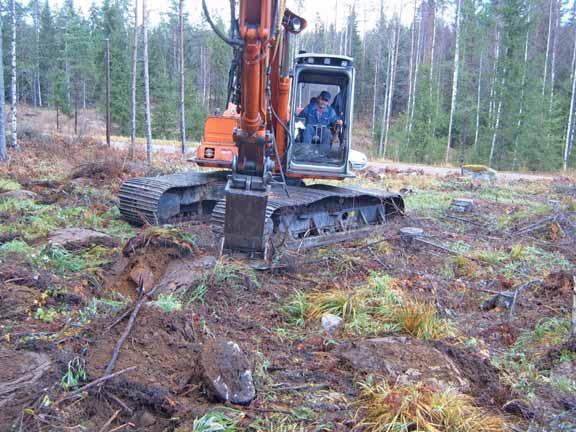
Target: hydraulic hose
<point>235,43</point>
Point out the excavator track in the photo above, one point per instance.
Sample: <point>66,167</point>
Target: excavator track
<point>317,215</point>
<point>297,217</point>
<point>171,198</point>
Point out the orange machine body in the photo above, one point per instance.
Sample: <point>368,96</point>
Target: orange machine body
<point>235,134</point>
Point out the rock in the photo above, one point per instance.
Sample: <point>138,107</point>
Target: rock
<point>462,205</point>
<point>402,359</point>
<point>142,276</point>
<point>331,323</point>
<point>519,408</point>
<point>227,372</point>
<point>502,300</point>
<point>185,273</point>
<point>479,172</point>
<point>80,238</point>
<point>145,419</point>
<point>19,195</point>
<point>410,235</point>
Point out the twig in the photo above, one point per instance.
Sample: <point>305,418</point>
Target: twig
<point>128,329</point>
<point>95,383</point>
<point>517,292</point>
<point>109,422</point>
<point>129,411</point>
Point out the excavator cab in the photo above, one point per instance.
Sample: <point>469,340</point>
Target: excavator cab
<point>315,149</point>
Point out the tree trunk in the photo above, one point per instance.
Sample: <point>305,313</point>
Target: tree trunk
<point>375,93</point>
<point>433,48</point>
<point>570,128</point>
<point>416,71</point>
<point>390,90</point>
<point>494,75</point>
<point>478,100</point>
<point>134,74</point>
<point>454,81</point>
<point>182,107</point>
<point>411,67</point>
<point>522,95</point>
<point>14,98</point>
<point>553,65</point>
<point>146,84</point>
<point>3,151</point>
<point>497,125</point>
<point>548,39</point>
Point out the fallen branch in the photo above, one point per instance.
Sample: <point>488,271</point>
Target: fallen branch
<point>518,291</point>
<point>95,383</point>
<point>109,422</point>
<point>128,329</point>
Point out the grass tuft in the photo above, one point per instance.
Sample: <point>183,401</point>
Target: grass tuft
<point>418,407</point>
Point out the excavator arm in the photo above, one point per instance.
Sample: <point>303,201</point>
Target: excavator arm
<point>263,29</point>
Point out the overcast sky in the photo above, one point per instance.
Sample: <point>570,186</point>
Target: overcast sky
<point>330,11</point>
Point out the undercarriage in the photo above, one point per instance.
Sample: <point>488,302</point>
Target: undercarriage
<point>296,217</point>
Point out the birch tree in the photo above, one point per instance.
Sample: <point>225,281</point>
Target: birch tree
<point>181,67</point>
<point>134,73</point>
<point>387,113</point>
<point>454,81</point>
<point>570,127</point>
<point>148,116</point>
<point>13,94</point>
<point>3,152</point>
<point>548,41</point>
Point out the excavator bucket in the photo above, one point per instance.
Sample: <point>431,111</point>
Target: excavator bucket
<point>245,221</point>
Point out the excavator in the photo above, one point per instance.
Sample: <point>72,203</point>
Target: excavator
<point>261,151</point>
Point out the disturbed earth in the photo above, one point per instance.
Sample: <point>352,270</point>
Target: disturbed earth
<point>465,326</point>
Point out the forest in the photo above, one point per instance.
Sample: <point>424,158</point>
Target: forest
<point>465,81</point>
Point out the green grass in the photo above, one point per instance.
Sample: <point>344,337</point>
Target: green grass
<point>75,374</point>
<point>375,308</point>
<point>7,185</point>
<point>168,303</point>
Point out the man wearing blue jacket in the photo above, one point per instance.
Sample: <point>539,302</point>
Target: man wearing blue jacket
<point>320,116</point>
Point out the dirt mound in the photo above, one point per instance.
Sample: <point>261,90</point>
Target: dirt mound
<point>484,378</point>
<point>162,347</point>
<point>402,359</point>
<point>22,376</point>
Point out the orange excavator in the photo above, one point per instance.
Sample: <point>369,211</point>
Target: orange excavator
<point>266,144</point>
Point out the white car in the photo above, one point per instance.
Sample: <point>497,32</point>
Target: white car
<point>358,160</point>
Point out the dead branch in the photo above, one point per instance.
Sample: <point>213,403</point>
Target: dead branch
<point>95,383</point>
<point>109,422</point>
<point>517,293</point>
<point>128,329</point>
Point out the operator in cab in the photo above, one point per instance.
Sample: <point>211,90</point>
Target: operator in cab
<point>320,117</point>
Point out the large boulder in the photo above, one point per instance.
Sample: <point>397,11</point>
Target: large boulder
<point>403,360</point>
<point>227,372</point>
<point>80,238</point>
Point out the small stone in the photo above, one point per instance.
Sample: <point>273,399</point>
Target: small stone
<point>227,372</point>
<point>19,195</point>
<point>146,419</point>
<point>462,205</point>
<point>479,172</point>
<point>80,238</point>
<point>331,323</point>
